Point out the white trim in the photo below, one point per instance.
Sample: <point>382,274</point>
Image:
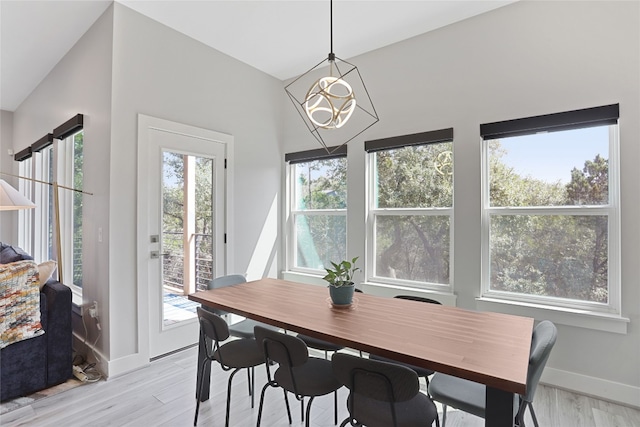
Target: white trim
<point>371,218</point>
<point>378,289</point>
<point>559,315</point>
<point>145,124</point>
<point>291,212</point>
<point>387,290</point>
<point>597,387</point>
<point>599,314</point>
<point>309,279</point>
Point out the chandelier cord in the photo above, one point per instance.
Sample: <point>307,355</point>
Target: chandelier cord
<point>331,24</point>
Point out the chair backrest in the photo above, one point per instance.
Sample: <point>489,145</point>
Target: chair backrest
<point>415,298</point>
<point>375,379</point>
<point>222,282</point>
<point>287,350</point>
<point>542,342</point>
<point>212,326</point>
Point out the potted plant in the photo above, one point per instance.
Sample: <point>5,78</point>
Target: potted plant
<point>340,278</point>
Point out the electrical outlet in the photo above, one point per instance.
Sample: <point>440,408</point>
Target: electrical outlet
<point>93,310</point>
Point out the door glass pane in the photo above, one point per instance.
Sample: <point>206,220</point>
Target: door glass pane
<point>187,219</point>
<point>204,241</point>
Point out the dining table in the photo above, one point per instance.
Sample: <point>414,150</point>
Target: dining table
<point>485,347</point>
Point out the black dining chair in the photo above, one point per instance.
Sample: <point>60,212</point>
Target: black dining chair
<point>383,394</point>
<point>243,328</point>
<point>297,373</point>
<point>232,356</point>
<point>422,372</point>
<point>469,396</point>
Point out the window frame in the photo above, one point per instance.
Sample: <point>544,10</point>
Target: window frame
<point>292,211</point>
<point>610,210</point>
<point>48,160</point>
<point>373,213</point>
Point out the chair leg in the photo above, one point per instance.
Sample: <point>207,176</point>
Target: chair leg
<point>309,411</point>
<point>286,401</point>
<point>444,415</point>
<point>335,407</point>
<point>199,393</point>
<point>302,408</point>
<point>249,382</point>
<point>264,389</point>
<point>226,422</point>
<point>253,385</point>
<point>533,415</point>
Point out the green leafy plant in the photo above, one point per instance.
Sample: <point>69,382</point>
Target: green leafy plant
<point>342,273</point>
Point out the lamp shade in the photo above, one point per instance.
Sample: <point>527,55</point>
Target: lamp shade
<point>11,199</point>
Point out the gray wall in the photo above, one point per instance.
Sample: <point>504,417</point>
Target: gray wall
<point>8,220</point>
<point>161,73</point>
<point>80,83</point>
<point>525,59</point>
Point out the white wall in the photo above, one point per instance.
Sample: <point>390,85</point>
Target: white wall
<point>522,60</point>
<point>161,73</point>
<point>8,220</point>
<point>525,59</point>
<point>80,83</point>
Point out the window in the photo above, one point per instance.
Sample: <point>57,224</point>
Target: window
<point>70,174</point>
<point>411,209</point>
<point>551,212</point>
<point>61,162</point>
<point>317,223</point>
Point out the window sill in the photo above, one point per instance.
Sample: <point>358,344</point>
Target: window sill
<point>379,289</point>
<point>310,279</point>
<point>563,316</point>
<point>391,290</point>
<point>76,301</point>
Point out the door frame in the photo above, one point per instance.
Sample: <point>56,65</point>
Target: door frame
<point>143,245</point>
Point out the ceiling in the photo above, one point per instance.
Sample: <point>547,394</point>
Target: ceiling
<point>282,38</point>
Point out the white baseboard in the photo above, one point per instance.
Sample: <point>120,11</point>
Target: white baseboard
<point>597,387</point>
<point>110,368</point>
<point>124,365</point>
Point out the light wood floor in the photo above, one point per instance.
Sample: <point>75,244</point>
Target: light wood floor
<point>163,394</point>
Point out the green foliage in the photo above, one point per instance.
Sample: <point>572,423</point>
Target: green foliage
<point>321,184</point>
<point>78,177</point>
<point>590,186</point>
<point>173,202</point>
<point>562,256</point>
<point>553,255</point>
<point>342,273</point>
<point>414,247</point>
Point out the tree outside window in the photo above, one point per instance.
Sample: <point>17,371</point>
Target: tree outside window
<point>411,210</point>
<point>319,206</point>
<point>549,214</point>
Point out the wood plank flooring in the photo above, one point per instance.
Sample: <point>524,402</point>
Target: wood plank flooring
<point>163,394</point>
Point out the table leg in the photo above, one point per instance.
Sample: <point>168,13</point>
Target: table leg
<point>501,408</point>
<point>202,355</point>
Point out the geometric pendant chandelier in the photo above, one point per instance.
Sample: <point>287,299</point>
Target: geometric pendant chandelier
<point>332,100</point>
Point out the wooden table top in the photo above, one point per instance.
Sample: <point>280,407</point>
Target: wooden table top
<point>485,347</point>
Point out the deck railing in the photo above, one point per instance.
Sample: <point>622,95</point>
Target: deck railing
<point>173,260</point>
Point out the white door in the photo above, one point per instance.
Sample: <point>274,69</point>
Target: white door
<point>181,220</point>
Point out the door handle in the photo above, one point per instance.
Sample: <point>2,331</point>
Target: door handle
<point>156,254</point>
